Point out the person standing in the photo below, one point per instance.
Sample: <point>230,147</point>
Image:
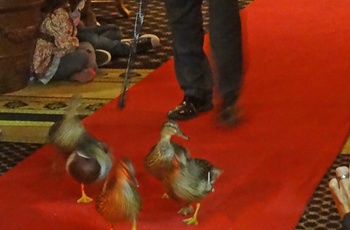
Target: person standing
<point>192,68</point>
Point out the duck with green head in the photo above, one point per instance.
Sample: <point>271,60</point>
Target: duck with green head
<point>89,163</point>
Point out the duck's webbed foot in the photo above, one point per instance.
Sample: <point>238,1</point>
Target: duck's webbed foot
<point>188,209</point>
<point>193,219</point>
<point>84,198</point>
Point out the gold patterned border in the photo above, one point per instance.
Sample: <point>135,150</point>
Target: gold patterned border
<point>23,113</point>
<point>52,98</point>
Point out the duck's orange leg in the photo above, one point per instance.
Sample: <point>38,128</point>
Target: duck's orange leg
<point>84,198</point>
<point>134,224</point>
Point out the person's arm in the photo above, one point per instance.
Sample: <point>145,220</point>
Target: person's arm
<point>64,32</point>
<point>76,17</point>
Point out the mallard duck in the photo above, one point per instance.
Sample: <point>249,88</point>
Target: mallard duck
<point>119,199</point>
<point>66,133</point>
<point>160,160</point>
<point>90,162</point>
<point>192,180</point>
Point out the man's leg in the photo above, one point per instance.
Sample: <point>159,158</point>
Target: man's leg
<point>226,43</point>
<point>192,67</point>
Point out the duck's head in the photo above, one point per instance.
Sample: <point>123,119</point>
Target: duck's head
<point>126,170</point>
<point>170,128</point>
<point>213,175</point>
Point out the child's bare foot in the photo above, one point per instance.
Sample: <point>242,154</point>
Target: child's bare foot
<point>340,188</point>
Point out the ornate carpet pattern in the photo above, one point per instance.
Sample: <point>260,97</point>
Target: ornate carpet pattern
<point>23,109</point>
<point>13,153</point>
<point>321,213</point>
<point>27,114</point>
<point>155,22</point>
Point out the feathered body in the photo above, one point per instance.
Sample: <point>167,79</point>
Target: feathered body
<point>90,162</point>
<point>192,180</point>
<point>160,160</point>
<point>119,199</point>
<point>66,133</point>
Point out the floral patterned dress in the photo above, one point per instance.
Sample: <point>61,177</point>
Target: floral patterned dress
<point>57,38</point>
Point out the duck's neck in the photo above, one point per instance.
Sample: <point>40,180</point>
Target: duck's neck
<point>165,137</point>
<point>165,147</point>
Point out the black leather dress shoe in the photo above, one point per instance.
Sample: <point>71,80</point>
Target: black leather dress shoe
<point>189,108</point>
<point>229,113</point>
<point>229,116</point>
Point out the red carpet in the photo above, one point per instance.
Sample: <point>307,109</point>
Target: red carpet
<point>296,119</point>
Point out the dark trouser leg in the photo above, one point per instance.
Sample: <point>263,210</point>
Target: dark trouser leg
<point>191,65</point>
<point>115,48</point>
<point>110,31</point>
<point>226,42</point>
<point>75,62</point>
<point>70,64</point>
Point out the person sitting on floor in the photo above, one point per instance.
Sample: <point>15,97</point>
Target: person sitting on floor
<point>109,37</point>
<point>88,16</point>
<point>58,54</point>
<point>340,189</point>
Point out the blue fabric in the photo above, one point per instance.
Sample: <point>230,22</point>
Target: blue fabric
<point>106,37</point>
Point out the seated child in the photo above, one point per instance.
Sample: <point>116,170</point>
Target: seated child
<point>109,37</point>
<point>58,54</point>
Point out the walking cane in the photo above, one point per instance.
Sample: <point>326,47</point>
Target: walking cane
<point>132,55</point>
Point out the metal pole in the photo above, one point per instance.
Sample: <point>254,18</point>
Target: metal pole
<point>132,55</point>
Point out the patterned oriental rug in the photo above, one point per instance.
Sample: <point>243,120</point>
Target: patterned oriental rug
<point>27,114</point>
<point>272,162</point>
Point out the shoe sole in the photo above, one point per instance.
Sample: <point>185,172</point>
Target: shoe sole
<point>154,40</point>
<point>104,55</point>
<point>229,117</point>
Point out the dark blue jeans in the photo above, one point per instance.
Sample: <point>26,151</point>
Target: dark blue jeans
<point>192,67</point>
<point>106,37</point>
<point>83,57</point>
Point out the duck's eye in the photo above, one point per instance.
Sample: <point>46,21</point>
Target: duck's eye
<point>172,126</point>
<point>125,166</point>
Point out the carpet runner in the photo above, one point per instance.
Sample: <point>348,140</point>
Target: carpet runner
<point>296,119</point>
